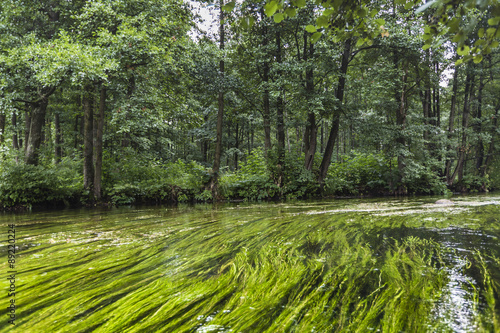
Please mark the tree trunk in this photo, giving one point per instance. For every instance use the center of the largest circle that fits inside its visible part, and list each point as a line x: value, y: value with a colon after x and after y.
x: 57, y: 140
x: 265, y: 98
x: 401, y: 124
x: 451, y: 124
x: 88, y: 165
x: 437, y: 104
x: 462, y: 151
x: 98, y: 145
x: 15, y: 140
x: 2, y: 127
x: 478, y: 127
x: 311, y: 132
x: 280, y: 121
x: 330, y: 144
x: 214, y: 183
x: 236, y: 145
x: 37, y: 120
x: 27, y: 126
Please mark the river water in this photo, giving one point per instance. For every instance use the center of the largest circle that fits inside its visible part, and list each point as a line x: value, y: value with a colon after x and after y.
x: 363, y: 265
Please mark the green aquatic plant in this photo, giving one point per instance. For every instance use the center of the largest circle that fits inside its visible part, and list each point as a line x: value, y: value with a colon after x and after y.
x: 347, y: 266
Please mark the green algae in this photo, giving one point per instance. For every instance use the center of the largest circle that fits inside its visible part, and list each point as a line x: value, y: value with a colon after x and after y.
x: 341, y: 266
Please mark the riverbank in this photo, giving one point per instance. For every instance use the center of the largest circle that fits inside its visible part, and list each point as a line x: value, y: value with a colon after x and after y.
x: 25, y: 187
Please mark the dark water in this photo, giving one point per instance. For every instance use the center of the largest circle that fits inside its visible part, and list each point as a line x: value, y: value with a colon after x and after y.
x: 322, y: 266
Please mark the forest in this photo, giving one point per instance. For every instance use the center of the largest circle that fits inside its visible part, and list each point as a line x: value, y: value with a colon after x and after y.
x: 139, y: 101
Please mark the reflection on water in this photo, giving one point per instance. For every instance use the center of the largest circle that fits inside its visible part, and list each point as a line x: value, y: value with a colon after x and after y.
x: 455, y: 309
x: 320, y: 266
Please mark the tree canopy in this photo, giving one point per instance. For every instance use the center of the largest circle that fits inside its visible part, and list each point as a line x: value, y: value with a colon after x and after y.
x: 128, y: 101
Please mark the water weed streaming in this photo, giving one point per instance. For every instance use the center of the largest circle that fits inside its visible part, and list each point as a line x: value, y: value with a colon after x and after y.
x: 343, y: 266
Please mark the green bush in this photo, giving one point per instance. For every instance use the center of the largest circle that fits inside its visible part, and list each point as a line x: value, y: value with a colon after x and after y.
x: 251, y: 182
x: 420, y: 179
x: 26, y: 185
x: 299, y: 182
x: 360, y: 173
x: 129, y: 180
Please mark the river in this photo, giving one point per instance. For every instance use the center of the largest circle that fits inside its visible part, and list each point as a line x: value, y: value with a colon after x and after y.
x: 381, y: 265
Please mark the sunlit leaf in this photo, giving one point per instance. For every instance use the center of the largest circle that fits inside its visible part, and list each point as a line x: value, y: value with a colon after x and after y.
x: 315, y: 37
x: 270, y: 8
x: 493, y: 20
x: 328, y: 12
x: 464, y: 50
x: 478, y: 58
x: 278, y: 17
x: 311, y: 28
x: 322, y: 21
x: 300, y: 3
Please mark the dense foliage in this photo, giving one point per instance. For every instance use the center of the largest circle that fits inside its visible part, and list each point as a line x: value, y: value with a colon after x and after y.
x: 132, y: 101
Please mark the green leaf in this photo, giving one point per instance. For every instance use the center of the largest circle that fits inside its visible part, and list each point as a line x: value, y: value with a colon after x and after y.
x: 315, y: 37
x: 291, y: 12
x: 328, y: 12
x: 271, y: 8
x: 458, y: 37
x: 459, y: 62
x: 478, y: 58
x: 380, y: 22
x: 228, y: 7
x: 322, y: 21
x: 311, y: 28
x: 278, y: 18
x: 453, y: 25
x: 361, y: 12
x: 490, y: 32
x: 360, y: 42
x: 493, y: 21
x: 494, y: 44
x: 300, y: 3
x: 480, y: 33
x: 426, y: 47
x: 464, y: 50
x: 337, y: 3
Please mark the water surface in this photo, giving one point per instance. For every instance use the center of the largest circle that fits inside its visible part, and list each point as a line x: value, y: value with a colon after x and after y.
x: 358, y: 265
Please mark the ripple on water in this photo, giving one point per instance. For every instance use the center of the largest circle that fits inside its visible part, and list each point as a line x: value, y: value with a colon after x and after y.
x: 455, y: 309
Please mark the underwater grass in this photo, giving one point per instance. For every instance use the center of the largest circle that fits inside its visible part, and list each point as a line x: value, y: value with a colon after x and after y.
x: 250, y: 269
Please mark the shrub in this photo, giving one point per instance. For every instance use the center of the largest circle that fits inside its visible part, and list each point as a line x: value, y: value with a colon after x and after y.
x: 22, y: 184
x: 360, y: 173
x: 251, y: 182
